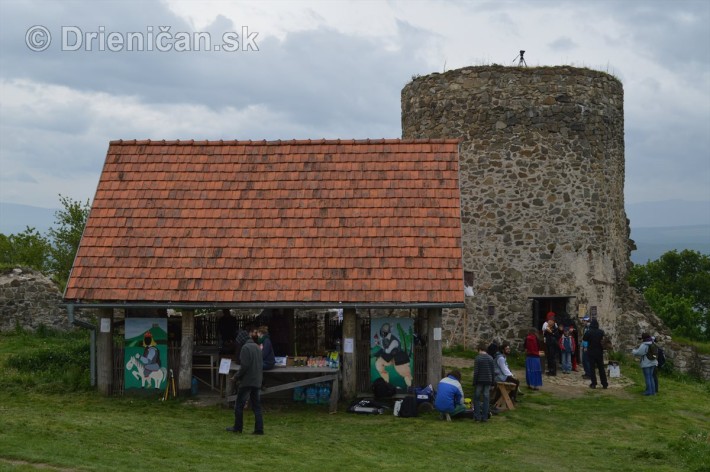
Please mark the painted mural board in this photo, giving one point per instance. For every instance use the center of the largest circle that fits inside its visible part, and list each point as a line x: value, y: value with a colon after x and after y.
x: 146, y: 353
x: 391, y: 351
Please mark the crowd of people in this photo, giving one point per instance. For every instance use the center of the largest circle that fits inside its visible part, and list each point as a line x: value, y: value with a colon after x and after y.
x: 560, y: 343
x: 561, y: 346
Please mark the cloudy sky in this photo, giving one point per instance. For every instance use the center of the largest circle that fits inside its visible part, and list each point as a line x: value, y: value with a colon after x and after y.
x: 317, y: 69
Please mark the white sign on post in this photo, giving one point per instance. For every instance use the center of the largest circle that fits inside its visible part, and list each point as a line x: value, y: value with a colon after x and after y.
x: 105, y: 325
x: 437, y: 334
x: 348, y: 346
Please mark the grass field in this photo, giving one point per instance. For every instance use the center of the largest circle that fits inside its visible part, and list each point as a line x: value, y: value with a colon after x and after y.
x: 580, y: 430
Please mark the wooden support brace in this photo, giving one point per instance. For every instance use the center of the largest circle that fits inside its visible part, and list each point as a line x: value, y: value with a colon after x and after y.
x: 504, y: 399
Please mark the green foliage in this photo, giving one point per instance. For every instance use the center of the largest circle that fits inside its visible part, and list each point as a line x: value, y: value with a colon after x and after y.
x: 47, y: 361
x: 53, y: 254
x: 66, y: 236
x: 26, y: 249
x: 677, y: 287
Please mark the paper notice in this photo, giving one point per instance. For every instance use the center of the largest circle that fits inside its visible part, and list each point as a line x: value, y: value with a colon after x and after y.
x: 105, y: 325
x: 348, y: 346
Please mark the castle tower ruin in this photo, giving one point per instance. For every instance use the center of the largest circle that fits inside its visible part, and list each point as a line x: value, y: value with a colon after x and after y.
x: 542, y: 192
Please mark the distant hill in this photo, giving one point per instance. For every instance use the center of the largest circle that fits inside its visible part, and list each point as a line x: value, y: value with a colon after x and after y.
x: 668, y: 213
x: 656, y: 227
x: 14, y: 218
x: 654, y: 242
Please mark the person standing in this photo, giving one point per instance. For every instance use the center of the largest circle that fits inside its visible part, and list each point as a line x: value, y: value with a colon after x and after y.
x: 567, y: 348
x: 267, y: 348
x: 550, y: 333
x: 449, y: 395
x: 533, y: 367
x: 585, y: 344
x: 483, y: 380
x: 595, y: 351
x: 648, y: 362
x: 250, y: 377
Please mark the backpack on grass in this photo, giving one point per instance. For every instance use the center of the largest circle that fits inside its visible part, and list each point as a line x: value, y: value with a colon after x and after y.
x: 406, y: 408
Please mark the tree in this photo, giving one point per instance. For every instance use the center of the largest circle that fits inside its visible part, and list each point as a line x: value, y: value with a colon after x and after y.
x: 677, y: 287
x: 27, y: 249
x: 65, y: 237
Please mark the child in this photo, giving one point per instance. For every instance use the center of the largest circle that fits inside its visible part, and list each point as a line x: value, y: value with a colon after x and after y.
x: 567, y: 348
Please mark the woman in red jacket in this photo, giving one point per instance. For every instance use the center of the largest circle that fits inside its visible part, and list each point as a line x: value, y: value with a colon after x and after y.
x: 533, y: 368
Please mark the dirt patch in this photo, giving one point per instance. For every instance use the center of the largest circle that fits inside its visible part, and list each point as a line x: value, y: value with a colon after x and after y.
x: 570, y: 385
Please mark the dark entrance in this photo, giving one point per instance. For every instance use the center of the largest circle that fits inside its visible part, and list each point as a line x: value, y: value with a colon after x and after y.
x: 543, y: 305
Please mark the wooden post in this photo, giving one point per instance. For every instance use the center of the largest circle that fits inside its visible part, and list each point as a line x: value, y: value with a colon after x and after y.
x: 104, y: 352
x: 186, y: 348
x: 433, y: 358
x: 349, y: 339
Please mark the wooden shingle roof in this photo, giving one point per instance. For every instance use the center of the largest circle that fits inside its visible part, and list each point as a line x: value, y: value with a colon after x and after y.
x: 241, y: 222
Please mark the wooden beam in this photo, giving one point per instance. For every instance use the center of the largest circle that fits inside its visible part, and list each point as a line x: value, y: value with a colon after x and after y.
x: 186, y: 349
x: 104, y: 352
x: 349, y: 339
x: 434, y: 372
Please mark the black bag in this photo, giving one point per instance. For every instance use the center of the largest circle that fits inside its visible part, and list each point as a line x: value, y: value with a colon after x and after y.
x: 661, y: 357
x: 409, y: 407
x: 382, y: 389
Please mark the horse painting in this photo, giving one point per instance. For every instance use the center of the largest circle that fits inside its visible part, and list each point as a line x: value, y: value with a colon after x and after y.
x: 139, y: 373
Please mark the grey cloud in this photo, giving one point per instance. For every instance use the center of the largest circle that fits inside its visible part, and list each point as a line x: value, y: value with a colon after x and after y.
x: 562, y: 44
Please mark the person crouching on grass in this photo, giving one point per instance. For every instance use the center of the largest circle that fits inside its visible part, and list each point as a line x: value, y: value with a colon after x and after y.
x: 449, y: 395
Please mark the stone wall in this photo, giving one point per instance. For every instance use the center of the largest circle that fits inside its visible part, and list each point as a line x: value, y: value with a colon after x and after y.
x: 29, y: 299
x: 542, y: 179
x: 542, y: 199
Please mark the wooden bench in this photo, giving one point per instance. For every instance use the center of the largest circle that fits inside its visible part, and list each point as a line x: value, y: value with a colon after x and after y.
x: 324, y: 374
x: 504, y: 400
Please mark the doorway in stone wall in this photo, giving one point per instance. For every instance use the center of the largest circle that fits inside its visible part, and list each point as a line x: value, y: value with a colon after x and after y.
x: 542, y: 305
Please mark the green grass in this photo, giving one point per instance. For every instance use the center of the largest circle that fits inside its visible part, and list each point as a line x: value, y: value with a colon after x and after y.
x: 702, y: 347
x: 598, y: 430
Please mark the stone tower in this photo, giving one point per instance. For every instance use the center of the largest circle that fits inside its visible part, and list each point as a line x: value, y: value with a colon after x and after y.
x: 542, y: 192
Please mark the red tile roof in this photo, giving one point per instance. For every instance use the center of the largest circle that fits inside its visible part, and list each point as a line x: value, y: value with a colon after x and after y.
x: 242, y: 222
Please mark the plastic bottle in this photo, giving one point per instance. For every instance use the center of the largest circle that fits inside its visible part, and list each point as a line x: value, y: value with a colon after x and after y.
x: 312, y: 395
x: 324, y: 394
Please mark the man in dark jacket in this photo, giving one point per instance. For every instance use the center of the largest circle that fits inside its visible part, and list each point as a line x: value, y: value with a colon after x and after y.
x: 483, y: 379
x: 595, y: 353
x: 250, y: 378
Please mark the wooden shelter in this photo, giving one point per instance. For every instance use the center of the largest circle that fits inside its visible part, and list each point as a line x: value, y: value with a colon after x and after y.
x: 355, y: 225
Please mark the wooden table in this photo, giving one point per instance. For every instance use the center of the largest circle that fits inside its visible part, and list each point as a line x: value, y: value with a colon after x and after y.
x: 323, y: 374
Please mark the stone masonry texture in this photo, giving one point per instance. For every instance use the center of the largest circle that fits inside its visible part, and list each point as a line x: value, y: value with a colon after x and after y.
x: 542, y: 182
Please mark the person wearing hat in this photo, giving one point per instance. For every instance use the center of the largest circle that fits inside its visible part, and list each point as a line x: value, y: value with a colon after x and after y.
x: 647, y: 365
x: 151, y: 356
